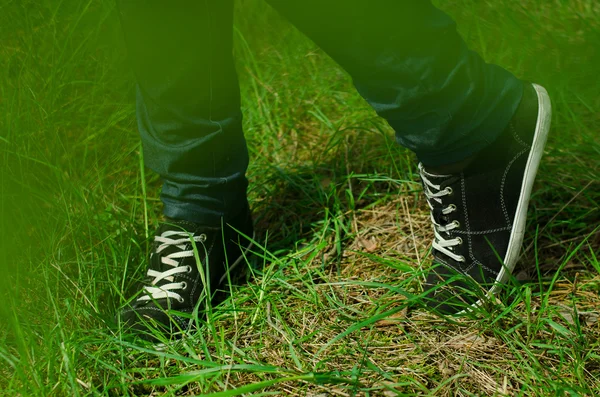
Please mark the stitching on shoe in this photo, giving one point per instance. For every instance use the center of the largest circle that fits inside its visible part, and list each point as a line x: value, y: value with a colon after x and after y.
x: 476, y: 262
x: 502, y: 229
x: 145, y: 308
x: 164, y: 311
x: 195, y: 282
x: 127, y: 311
x: 195, y: 285
x: 443, y: 262
x: 181, y: 322
x: 465, y: 272
x: 506, y: 170
x: 516, y: 136
x: 470, y: 267
x: 183, y: 222
x: 212, y: 245
x: 192, y: 225
x: 464, y: 200
x: 495, y: 273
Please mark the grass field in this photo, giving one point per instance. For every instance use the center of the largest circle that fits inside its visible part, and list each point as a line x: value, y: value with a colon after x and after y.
x: 344, y: 228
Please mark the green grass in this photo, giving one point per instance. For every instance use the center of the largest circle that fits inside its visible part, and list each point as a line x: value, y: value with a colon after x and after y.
x: 337, y: 205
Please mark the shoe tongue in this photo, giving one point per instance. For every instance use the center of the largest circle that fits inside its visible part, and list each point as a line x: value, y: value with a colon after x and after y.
x: 175, y: 226
x: 442, y: 179
x: 450, y: 169
x: 178, y: 226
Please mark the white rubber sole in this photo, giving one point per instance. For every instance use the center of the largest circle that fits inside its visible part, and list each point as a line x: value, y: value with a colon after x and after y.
x: 533, y: 161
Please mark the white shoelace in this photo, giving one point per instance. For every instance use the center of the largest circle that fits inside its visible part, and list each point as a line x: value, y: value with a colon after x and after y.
x: 171, y: 238
x: 434, y: 192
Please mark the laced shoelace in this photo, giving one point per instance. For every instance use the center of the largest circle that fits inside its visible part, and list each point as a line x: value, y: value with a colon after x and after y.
x: 434, y: 193
x: 171, y: 238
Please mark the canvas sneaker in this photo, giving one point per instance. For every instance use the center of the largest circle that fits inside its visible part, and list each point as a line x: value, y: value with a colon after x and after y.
x: 479, y: 213
x: 187, y: 265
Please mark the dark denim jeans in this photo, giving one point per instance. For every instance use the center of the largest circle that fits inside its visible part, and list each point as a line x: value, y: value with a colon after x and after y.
x: 405, y: 58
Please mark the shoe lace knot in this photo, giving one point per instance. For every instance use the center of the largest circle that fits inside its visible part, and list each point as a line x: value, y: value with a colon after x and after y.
x: 163, y: 283
x: 439, y: 211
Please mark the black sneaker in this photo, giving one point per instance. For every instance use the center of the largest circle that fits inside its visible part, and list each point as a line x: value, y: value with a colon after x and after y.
x: 479, y: 213
x: 176, y: 284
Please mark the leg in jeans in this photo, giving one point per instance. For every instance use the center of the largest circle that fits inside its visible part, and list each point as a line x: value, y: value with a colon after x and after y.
x: 408, y: 61
x: 189, y: 117
x: 188, y: 104
x: 478, y: 131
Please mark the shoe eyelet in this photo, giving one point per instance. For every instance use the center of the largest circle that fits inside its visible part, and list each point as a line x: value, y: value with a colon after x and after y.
x: 449, y: 190
x: 180, y: 300
x: 457, y: 224
x: 183, y: 285
x: 202, y: 238
x: 188, y: 269
x: 461, y: 258
x: 460, y: 240
x: 452, y: 207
